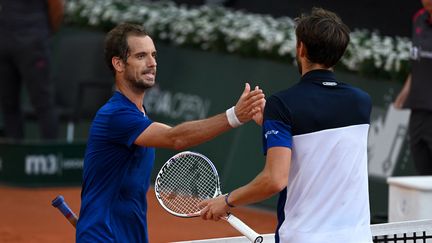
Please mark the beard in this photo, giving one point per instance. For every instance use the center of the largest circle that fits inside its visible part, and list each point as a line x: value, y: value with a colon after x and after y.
x: 139, y: 83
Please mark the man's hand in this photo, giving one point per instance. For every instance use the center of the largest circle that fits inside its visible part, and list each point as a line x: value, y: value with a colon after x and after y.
x: 214, y: 208
x: 249, y: 103
x: 259, y: 116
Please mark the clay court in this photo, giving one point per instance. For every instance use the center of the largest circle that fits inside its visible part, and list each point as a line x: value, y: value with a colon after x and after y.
x: 26, y: 215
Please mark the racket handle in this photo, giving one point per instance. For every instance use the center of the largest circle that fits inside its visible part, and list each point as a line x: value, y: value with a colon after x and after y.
x: 62, y: 206
x: 244, y: 229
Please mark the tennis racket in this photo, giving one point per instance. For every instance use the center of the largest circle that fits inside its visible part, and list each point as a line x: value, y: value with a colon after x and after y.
x: 185, y: 180
x: 62, y: 206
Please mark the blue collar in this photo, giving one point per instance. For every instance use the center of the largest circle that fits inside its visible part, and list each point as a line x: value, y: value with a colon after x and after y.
x: 319, y: 75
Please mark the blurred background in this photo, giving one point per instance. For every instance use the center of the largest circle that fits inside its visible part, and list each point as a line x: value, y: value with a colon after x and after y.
x: 367, y: 14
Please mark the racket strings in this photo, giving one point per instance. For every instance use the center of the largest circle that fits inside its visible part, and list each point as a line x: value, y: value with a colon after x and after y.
x: 187, y: 181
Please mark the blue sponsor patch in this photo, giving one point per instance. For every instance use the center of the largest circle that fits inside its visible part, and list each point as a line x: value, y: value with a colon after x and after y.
x: 276, y: 134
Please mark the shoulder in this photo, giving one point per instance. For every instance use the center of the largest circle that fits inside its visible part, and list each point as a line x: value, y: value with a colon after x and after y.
x: 278, y: 105
x: 287, y: 95
x: 360, y: 94
x: 280, y: 100
x: 359, y: 99
x: 357, y: 95
x: 119, y: 105
x: 119, y: 111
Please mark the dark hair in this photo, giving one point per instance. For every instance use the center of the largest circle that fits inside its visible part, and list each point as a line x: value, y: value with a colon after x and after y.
x: 324, y: 35
x: 116, y: 44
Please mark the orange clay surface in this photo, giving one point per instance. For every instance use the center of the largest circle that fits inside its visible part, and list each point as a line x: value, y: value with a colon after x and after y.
x: 26, y: 215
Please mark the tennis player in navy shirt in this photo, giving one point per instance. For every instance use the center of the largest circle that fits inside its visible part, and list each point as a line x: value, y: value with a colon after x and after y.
x: 315, y: 141
x: 120, y: 149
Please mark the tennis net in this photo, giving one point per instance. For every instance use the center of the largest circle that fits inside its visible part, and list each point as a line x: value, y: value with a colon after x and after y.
x: 419, y: 231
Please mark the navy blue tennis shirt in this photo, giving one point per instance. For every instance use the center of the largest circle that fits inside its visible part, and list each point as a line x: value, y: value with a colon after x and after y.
x: 316, y: 103
x: 116, y: 176
x: 325, y: 124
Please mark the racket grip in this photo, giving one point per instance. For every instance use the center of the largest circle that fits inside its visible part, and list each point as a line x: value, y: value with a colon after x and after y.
x: 62, y: 206
x: 244, y: 229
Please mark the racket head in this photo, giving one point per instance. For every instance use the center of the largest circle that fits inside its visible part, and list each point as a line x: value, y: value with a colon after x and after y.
x: 185, y: 180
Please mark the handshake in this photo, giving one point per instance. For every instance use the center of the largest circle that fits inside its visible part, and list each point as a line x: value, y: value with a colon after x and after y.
x: 249, y: 106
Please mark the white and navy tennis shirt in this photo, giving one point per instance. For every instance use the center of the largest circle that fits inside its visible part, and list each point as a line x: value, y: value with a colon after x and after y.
x: 325, y: 124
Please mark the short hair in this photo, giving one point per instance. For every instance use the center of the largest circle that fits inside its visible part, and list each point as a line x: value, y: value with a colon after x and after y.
x: 116, y: 44
x: 324, y: 35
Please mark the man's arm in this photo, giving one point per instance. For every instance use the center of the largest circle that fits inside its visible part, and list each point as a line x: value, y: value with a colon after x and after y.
x: 193, y: 133
x: 55, y: 13
x: 401, y: 98
x: 271, y: 180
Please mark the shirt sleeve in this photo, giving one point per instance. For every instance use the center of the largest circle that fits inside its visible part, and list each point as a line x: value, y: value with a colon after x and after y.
x: 276, y: 129
x: 127, y: 125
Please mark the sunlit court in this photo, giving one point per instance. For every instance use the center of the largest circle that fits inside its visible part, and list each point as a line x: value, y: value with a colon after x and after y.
x: 27, y: 216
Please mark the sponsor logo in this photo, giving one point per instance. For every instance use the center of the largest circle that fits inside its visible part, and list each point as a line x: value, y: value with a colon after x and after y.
x: 41, y: 164
x: 50, y: 164
x: 270, y: 133
x: 329, y: 83
x: 176, y: 105
x: 414, y: 53
x: 72, y: 164
x: 417, y: 53
x: 426, y: 54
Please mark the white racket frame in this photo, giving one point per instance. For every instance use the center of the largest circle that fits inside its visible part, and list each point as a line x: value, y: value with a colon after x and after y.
x: 231, y: 219
x: 167, y: 164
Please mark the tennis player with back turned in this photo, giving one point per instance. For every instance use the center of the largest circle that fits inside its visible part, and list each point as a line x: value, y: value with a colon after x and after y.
x: 315, y: 140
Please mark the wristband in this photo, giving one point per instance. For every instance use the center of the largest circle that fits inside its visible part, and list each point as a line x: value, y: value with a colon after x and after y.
x: 226, y: 200
x: 232, y: 118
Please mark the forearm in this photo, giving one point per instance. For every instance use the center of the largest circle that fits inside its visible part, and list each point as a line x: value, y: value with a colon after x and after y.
x: 271, y: 180
x: 192, y: 133
x: 56, y: 13
x: 403, y: 94
x: 260, y: 188
x: 184, y: 135
x: 407, y: 84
